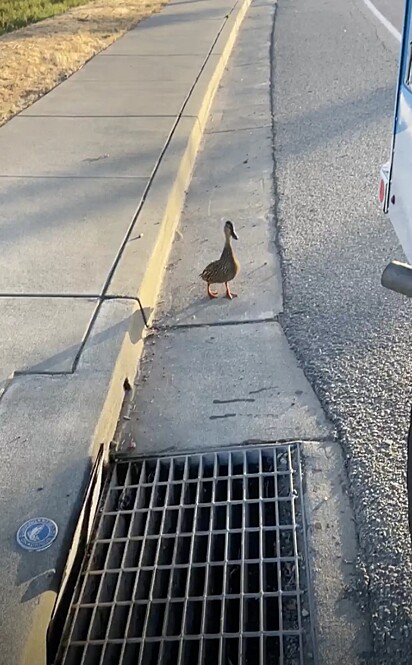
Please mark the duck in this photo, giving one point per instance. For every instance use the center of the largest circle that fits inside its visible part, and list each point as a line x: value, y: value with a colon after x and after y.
x: 225, y: 269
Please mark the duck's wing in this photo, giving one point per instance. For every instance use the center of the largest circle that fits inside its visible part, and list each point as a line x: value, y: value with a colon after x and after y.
x: 210, y: 270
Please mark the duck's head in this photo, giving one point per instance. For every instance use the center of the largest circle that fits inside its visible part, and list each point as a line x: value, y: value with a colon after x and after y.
x: 230, y: 231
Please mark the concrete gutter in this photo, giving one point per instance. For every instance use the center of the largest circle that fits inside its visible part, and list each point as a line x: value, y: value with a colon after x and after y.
x: 230, y: 363
x: 74, y: 414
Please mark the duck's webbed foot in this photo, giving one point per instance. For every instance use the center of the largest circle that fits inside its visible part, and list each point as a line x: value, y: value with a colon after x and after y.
x: 211, y: 294
x: 229, y: 293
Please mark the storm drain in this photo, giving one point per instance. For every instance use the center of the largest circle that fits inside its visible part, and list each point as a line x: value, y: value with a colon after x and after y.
x: 195, y: 560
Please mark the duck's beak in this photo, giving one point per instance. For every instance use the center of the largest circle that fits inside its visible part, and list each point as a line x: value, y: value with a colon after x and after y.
x: 234, y: 234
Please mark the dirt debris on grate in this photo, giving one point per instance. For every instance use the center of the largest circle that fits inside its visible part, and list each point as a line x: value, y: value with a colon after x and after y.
x: 195, y: 559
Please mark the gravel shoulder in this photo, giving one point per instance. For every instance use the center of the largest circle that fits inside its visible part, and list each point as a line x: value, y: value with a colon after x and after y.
x: 333, y: 105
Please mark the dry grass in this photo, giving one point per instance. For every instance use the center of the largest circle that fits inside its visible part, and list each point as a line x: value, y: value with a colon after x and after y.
x: 36, y: 58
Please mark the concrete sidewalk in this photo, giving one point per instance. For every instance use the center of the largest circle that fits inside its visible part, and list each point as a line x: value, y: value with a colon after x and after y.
x: 92, y: 180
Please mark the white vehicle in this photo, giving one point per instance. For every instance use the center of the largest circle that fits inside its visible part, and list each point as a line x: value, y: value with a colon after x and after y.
x: 395, y: 191
x: 396, y: 175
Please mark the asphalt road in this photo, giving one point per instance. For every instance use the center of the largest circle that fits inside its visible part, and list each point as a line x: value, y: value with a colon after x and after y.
x: 334, y: 74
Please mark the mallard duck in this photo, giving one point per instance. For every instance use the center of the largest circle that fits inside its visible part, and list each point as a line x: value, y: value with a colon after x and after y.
x: 224, y: 269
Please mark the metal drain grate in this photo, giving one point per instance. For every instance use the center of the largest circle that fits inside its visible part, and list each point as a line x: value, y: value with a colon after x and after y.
x: 194, y: 560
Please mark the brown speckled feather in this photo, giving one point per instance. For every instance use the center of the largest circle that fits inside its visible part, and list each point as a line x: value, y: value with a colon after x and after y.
x: 224, y: 269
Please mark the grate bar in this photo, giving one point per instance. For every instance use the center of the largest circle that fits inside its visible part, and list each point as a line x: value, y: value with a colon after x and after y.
x: 242, y: 564
x: 192, y: 551
x: 177, y: 638
x: 195, y: 559
x: 209, y: 544
x: 278, y: 552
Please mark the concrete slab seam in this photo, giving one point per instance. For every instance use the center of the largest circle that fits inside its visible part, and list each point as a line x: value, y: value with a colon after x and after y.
x: 166, y: 452
x: 215, y: 324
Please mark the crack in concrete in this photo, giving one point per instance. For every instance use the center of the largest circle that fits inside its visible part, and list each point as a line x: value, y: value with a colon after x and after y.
x: 233, y: 401
x: 261, y: 390
x: 222, y: 417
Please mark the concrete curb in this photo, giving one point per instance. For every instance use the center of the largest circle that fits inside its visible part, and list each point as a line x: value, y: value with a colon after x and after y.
x: 139, y: 273
x: 114, y: 343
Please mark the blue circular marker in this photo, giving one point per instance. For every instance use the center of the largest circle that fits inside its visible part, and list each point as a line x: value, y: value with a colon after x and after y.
x: 37, y: 534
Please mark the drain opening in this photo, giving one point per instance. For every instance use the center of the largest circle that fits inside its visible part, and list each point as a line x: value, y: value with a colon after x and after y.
x: 194, y: 559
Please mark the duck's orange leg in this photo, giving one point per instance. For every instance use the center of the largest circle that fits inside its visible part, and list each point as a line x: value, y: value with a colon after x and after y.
x: 211, y: 294
x: 229, y: 294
